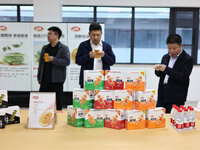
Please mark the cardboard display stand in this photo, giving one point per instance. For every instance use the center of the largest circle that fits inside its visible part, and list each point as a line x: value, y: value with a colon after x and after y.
x: 42, y: 108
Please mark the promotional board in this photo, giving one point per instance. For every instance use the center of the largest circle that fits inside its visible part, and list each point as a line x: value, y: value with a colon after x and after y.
x: 42, y: 108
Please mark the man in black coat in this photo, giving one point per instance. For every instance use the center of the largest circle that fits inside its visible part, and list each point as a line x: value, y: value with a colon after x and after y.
x: 174, y: 72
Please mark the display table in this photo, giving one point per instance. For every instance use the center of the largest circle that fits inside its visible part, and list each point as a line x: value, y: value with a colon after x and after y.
x: 66, y: 137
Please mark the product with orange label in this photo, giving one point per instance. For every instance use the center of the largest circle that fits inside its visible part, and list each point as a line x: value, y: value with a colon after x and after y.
x: 123, y: 99
x: 135, y: 119
x: 156, y: 118
x: 96, y: 53
x: 114, y: 119
x: 45, y: 57
x: 94, y: 118
x: 114, y: 80
x: 83, y: 99
x: 140, y: 100
x: 150, y: 98
x: 75, y: 116
x: 103, y: 99
x: 93, y: 79
x: 135, y: 80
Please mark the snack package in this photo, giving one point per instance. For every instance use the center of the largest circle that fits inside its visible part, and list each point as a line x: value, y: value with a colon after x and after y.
x: 140, y: 100
x: 2, y: 118
x: 135, y: 119
x: 123, y: 99
x: 83, y: 99
x: 114, y: 119
x: 135, y: 80
x: 75, y: 116
x: 94, y: 118
x: 13, y: 113
x: 3, y: 99
x: 103, y: 99
x: 156, y: 118
x: 93, y: 79
x: 150, y: 96
x: 114, y: 80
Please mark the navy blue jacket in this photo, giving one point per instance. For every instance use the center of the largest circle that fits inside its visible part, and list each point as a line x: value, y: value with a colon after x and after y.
x: 179, y: 77
x: 83, y: 59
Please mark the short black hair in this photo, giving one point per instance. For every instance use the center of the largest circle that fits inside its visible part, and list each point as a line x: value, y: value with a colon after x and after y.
x: 95, y: 26
x: 56, y: 30
x: 174, y: 38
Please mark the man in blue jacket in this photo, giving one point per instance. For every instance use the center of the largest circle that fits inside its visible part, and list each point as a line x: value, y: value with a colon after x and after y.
x: 94, y: 54
x: 174, y: 72
x: 52, y: 66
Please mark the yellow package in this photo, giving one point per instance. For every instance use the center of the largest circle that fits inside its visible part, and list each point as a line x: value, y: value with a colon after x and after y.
x: 135, y: 119
x: 150, y: 98
x: 123, y: 99
x: 156, y: 118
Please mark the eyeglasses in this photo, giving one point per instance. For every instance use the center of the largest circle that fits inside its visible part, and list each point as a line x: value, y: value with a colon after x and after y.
x: 98, y: 35
x: 49, y: 34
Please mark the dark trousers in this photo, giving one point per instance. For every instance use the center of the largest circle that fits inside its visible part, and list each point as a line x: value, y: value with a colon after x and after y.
x: 54, y: 87
x: 167, y: 105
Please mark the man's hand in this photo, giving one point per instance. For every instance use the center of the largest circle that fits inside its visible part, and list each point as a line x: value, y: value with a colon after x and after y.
x: 101, y: 53
x: 50, y: 58
x: 160, y: 67
x: 92, y: 54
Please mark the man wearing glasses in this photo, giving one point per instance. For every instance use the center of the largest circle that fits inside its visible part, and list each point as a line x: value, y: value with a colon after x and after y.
x: 52, y: 65
x: 94, y: 54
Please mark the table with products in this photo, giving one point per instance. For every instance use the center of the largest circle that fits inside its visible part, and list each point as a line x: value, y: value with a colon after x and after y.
x: 66, y: 137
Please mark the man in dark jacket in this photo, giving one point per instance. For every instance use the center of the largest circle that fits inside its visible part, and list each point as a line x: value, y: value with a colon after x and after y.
x: 52, y: 66
x: 94, y: 54
x: 174, y: 72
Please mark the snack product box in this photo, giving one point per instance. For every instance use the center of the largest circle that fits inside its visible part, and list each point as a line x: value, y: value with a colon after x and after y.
x: 135, y: 80
x: 114, y: 80
x: 123, y: 99
x: 13, y: 113
x: 114, y: 119
x: 83, y: 99
x: 75, y: 116
x: 93, y: 79
x: 3, y: 99
x: 103, y: 99
x: 140, y: 100
x: 135, y: 119
x: 150, y: 95
x: 156, y: 118
x: 94, y: 118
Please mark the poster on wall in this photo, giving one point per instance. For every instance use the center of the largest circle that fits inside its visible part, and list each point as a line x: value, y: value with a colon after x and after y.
x: 77, y: 33
x: 42, y: 108
x: 39, y: 33
x: 15, y: 72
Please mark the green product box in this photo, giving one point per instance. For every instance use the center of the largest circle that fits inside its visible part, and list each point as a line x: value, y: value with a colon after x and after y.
x: 93, y: 118
x: 75, y: 116
x: 93, y: 79
x: 83, y: 99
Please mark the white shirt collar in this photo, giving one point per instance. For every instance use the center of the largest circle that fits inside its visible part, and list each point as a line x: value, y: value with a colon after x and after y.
x: 99, y: 44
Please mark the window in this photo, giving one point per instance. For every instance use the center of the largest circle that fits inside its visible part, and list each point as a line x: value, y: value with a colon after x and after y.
x: 26, y: 13
x: 117, y: 22
x: 151, y: 31
x: 8, y: 13
x: 77, y: 14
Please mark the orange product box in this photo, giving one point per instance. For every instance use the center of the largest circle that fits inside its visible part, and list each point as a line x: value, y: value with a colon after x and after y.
x: 114, y: 80
x: 103, y: 99
x: 123, y: 99
x: 114, y: 119
x: 135, y: 80
x: 140, y: 100
x: 156, y: 118
x: 150, y: 95
x: 135, y: 119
